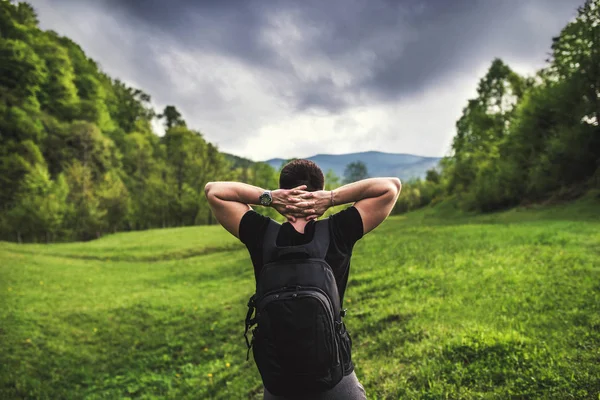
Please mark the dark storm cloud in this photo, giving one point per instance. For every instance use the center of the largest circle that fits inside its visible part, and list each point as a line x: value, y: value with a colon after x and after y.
x: 411, y: 44
x: 230, y: 26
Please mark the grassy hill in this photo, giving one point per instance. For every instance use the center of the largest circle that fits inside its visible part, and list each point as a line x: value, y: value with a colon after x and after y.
x: 440, y: 306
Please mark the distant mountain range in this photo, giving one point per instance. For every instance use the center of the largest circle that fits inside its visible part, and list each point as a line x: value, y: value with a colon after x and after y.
x: 404, y: 166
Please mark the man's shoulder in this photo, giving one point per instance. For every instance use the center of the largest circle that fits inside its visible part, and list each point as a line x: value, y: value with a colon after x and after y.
x: 349, y: 215
x: 251, y: 215
x: 251, y: 224
x: 348, y: 225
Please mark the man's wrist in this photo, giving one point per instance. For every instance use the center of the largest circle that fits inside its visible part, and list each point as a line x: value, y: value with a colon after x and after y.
x: 266, y: 198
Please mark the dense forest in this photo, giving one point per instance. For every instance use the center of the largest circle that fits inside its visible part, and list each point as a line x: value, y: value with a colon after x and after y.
x: 79, y: 158
x: 526, y: 139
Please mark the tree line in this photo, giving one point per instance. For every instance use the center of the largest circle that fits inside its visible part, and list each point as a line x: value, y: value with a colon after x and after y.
x: 526, y: 139
x: 79, y: 158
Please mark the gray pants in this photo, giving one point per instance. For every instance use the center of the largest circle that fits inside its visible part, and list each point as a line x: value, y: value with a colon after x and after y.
x: 349, y: 388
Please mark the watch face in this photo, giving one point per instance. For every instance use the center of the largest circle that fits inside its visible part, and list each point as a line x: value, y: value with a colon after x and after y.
x: 265, y: 199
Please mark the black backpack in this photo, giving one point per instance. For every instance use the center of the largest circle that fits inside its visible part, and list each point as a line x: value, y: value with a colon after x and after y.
x: 300, y: 343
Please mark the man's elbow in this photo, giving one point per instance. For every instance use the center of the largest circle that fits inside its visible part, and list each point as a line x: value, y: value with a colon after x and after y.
x: 209, y: 191
x: 207, y: 188
x: 396, y: 186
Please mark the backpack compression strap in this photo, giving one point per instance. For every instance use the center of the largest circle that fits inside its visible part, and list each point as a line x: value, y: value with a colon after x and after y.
x: 316, y: 248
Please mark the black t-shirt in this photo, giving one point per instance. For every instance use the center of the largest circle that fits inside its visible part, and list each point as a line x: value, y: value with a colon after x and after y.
x: 345, y: 229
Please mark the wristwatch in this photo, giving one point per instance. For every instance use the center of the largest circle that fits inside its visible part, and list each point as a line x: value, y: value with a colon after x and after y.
x: 265, y: 199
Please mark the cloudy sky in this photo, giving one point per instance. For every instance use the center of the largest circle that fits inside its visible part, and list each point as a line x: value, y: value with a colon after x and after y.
x: 280, y: 78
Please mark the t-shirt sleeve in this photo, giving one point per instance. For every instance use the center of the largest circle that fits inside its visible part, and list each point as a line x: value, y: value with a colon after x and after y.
x: 252, y: 226
x: 348, y: 226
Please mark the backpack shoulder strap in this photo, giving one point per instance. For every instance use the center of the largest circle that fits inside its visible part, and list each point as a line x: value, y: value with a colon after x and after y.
x: 320, y: 243
x: 269, y: 247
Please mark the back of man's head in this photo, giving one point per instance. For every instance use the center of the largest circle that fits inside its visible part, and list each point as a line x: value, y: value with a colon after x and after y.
x: 301, y: 172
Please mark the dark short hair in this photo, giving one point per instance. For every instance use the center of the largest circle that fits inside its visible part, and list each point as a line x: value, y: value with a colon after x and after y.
x: 301, y: 172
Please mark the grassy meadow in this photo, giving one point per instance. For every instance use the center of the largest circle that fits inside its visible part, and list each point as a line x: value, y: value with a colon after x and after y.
x: 441, y: 305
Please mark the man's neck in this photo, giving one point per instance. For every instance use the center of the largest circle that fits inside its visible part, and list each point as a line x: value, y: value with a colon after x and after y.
x: 299, y: 224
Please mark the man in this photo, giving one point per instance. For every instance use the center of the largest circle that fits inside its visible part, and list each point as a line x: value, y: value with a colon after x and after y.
x: 302, y: 200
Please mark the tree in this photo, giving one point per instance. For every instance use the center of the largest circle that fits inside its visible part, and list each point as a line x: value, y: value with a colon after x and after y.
x: 172, y: 117
x: 59, y: 94
x: 126, y: 105
x: 16, y: 161
x: 86, y: 217
x: 576, y: 55
x: 40, y: 206
x: 484, y: 124
x: 25, y: 14
x: 355, y: 171
x: 113, y: 199
x: 189, y: 160
x: 433, y: 176
x: 92, y: 149
x: 332, y: 181
x: 22, y: 72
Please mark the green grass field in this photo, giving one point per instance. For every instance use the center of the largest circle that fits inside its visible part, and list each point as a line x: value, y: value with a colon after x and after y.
x: 441, y: 306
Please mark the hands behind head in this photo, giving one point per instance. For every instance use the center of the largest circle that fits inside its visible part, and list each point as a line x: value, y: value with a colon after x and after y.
x: 298, y: 203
